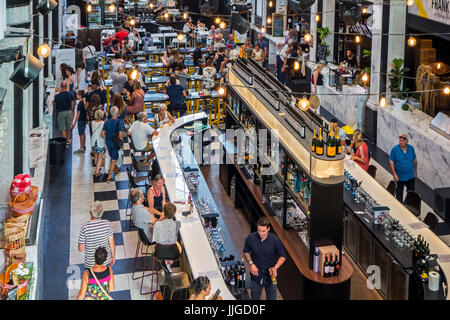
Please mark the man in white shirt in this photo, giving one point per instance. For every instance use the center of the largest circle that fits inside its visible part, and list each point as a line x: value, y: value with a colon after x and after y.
x: 139, y: 131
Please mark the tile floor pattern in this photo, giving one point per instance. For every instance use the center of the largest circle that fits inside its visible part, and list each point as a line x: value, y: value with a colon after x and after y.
x: 85, y: 190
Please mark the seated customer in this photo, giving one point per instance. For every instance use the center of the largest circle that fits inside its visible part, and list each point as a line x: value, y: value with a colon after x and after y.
x: 136, y: 104
x: 118, y: 81
x: 156, y: 196
x: 361, y: 156
x: 177, y: 96
x: 163, y: 116
x: 142, y: 217
x: 202, y: 288
x: 198, y: 56
x: 165, y: 233
x: 140, y: 131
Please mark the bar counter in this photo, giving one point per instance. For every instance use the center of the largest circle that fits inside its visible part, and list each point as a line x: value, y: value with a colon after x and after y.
x: 195, y: 243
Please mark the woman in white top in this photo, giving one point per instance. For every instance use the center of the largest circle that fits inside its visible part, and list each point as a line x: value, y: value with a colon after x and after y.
x: 258, y: 54
x: 117, y: 62
x: 90, y: 55
x: 209, y: 75
x: 188, y: 29
x: 166, y: 57
x: 163, y: 116
x: 97, y: 141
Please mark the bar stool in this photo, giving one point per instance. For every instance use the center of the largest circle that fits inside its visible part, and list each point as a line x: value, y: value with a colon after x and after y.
x: 209, y: 108
x: 176, y: 281
x: 431, y: 220
x: 143, y: 242
x: 413, y: 202
x: 392, y: 186
x: 372, y: 170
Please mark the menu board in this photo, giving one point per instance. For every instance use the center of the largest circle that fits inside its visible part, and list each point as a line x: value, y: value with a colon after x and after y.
x: 277, y: 24
x: 321, y: 53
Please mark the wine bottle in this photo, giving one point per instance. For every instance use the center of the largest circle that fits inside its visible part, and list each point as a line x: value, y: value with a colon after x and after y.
x: 319, y: 144
x: 337, y: 267
x: 326, y: 267
x: 331, y: 268
x: 338, y: 142
x: 313, y: 145
x: 232, y: 277
x: 331, y: 147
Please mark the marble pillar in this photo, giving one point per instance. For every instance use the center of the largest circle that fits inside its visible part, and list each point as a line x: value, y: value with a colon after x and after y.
x: 313, y: 31
x: 375, y: 65
x: 329, y: 6
x: 432, y: 149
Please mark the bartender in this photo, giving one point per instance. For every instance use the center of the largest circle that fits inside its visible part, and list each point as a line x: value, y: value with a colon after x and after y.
x: 351, y: 59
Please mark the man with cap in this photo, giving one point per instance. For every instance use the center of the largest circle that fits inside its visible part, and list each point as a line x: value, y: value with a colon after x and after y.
x: 403, y: 163
x: 140, y: 131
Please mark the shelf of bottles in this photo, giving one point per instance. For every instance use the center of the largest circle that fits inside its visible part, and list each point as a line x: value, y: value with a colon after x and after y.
x: 95, y: 16
x: 330, y: 267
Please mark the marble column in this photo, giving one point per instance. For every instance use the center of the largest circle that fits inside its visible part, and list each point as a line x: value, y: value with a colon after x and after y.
x: 50, y: 36
x: 313, y: 31
x: 328, y: 18
x: 41, y: 74
x: 375, y: 63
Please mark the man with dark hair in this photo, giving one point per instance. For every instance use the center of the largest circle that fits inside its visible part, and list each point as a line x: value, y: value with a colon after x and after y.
x: 342, y: 134
x: 96, y: 90
x: 177, y: 96
x: 198, y: 56
x: 265, y: 254
x: 142, y: 217
x: 65, y: 102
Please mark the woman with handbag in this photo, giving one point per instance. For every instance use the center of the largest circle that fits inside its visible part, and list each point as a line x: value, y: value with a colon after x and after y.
x: 113, y: 134
x: 98, y: 281
x: 91, y: 59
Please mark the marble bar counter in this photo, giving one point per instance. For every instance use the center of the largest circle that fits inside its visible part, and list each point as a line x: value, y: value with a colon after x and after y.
x: 432, y: 149
x: 198, y: 251
x: 346, y: 105
x: 411, y: 223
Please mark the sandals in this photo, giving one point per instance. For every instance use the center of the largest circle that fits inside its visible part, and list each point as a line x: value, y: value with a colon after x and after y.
x: 117, y: 171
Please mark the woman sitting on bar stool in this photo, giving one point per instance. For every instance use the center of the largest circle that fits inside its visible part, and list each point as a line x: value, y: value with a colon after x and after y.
x: 166, y: 59
x: 136, y: 104
x: 165, y: 233
x: 163, y: 116
x: 202, y: 288
x: 156, y: 196
x: 361, y: 156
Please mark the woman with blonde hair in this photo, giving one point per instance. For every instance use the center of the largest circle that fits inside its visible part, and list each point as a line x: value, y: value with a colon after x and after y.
x: 120, y: 104
x: 163, y: 116
x: 317, y: 77
x: 97, y: 141
x: 156, y: 196
x: 361, y: 156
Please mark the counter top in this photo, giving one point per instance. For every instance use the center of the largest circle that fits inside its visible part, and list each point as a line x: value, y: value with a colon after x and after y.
x: 399, y: 212
x: 197, y: 248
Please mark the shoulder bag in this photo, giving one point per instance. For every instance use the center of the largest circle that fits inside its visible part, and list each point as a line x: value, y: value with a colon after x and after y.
x: 116, y: 139
x: 101, y: 287
x: 95, y: 61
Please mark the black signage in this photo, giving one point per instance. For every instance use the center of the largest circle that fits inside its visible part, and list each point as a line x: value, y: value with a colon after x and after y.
x: 321, y: 53
x: 277, y: 25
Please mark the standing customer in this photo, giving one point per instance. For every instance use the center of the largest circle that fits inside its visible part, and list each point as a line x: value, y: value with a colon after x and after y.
x: 118, y: 81
x: 80, y: 60
x: 97, y: 141
x: 112, y: 127
x: 91, y: 58
x: 95, y: 277
x: 94, y: 234
x: 264, y: 47
x: 177, y: 96
x: 265, y: 254
x: 64, y: 102
x: 80, y: 120
x: 279, y: 63
x: 404, y: 166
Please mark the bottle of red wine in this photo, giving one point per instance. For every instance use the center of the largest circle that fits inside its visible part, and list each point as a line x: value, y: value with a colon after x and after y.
x: 326, y: 268
x: 337, y: 267
x: 331, y: 268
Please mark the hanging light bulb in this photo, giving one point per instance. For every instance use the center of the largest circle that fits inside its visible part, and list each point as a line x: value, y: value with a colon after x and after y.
x: 132, y: 22
x: 358, y: 39
x: 221, y: 91
x: 89, y: 8
x: 151, y: 5
x: 44, y: 50
x: 438, y: 65
x: 410, y: 3
x: 218, y: 20
x: 383, y: 102
x: 112, y: 8
x: 269, y: 20
x: 166, y: 15
x: 412, y: 41
x: 317, y: 17
x: 270, y: 4
x: 307, y: 37
x: 364, y: 10
x: 296, y: 66
x: 365, y: 78
x: 263, y: 29
x: 447, y: 90
x: 134, y: 74
x: 185, y: 15
x: 180, y: 37
x: 303, y: 104
x: 222, y: 25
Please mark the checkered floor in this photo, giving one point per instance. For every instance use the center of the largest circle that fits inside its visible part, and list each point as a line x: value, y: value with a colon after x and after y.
x: 85, y: 189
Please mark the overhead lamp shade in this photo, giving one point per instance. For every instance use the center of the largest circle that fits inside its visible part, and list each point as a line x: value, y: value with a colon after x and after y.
x: 206, y: 9
x: 351, y: 15
x: 46, y: 6
x: 238, y: 23
x: 305, y: 4
x: 26, y: 72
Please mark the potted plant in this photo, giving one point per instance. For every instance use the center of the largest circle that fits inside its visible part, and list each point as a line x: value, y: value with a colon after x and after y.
x: 323, y: 33
x: 396, y: 76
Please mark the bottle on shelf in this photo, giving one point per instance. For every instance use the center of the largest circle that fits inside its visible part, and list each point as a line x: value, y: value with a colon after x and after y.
x: 338, y: 142
x: 314, y: 140
x: 331, y: 145
x: 337, y: 267
x: 326, y: 267
x: 331, y: 267
x: 319, y: 144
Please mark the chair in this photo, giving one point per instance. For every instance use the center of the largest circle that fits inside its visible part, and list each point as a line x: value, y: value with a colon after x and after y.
x: 372, y: 170
x: 132, y: 183
x: 392, y: 186
x: 209, y: 108
x: 143, y: 242
x: 413, y: 202
x: 140, y: 167
x: 431, y: 220
x: 176, y: 281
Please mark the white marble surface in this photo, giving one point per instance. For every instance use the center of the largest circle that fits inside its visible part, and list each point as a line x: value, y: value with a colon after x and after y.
x: 432, y: 149
x: 399, y: 212
x: 197, y: 248
x: 343, y: 105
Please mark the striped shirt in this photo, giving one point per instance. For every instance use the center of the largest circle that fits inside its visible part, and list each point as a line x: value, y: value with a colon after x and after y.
x: 94, y: 234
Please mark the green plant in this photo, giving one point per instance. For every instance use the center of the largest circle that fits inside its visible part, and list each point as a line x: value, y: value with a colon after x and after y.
x: 323, y: 33
x: 396, y: 76
x: 405, y: 106
x: 366, y: 70
x: 328, y: 52
x: 367, y: 54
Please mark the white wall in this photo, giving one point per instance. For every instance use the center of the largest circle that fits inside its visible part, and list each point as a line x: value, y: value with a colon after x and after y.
x: 2, y: 18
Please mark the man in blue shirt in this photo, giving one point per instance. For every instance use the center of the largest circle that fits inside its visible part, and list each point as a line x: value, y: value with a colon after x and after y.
x: 177, y: 96
x: 65, y: 103
x: 264, y: 47
x: 265, y: 254
x: 404, y: 166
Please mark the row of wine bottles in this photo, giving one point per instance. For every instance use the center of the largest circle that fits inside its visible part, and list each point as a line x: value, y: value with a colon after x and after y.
x: 234, y: 275
x: 330, y: 265
x: 420, y: 248
x: 333, y: 144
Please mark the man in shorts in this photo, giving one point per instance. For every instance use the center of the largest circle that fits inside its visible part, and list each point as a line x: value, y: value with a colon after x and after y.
x: 139, y: 131
x: 64, y: 103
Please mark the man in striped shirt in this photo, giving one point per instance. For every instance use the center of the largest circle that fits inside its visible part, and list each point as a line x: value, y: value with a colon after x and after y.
x: 96, y: 233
